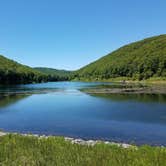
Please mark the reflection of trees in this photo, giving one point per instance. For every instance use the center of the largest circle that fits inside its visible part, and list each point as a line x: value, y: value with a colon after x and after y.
x: 135, y: 97
x: 6, y: 100
x: 137, y: 107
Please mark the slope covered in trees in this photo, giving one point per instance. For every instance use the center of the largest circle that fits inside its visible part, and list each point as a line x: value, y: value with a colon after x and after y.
x: 139, y: 60
x: 12, y: 72
x: 54, y: 74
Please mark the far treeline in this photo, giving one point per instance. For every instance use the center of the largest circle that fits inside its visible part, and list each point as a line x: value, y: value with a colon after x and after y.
x: 141, y: 60
x: 55, y: 75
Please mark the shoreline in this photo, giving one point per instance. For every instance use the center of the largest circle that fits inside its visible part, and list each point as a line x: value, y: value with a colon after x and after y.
x: 122, y: 80
x: 80, y: 141
x: 127, y: 90
x: 70, y: 139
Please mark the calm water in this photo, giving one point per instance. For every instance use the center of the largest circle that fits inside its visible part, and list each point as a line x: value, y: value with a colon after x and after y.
x: 62, y: 109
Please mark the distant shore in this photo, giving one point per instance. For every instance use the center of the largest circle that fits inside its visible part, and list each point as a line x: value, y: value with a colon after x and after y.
x: 127, y: 89
x: 152, y: 81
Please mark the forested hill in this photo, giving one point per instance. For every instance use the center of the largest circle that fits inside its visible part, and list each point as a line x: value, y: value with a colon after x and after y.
x: 12, y: 72
x: 139, y: 60
x: 55, y: 74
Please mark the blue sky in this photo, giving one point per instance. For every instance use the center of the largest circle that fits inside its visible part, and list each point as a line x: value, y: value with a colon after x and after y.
x: 68, y: 34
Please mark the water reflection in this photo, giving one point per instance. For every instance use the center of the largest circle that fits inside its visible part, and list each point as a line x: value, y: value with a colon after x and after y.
x: 64, y: 110
x: 150, y: 98
x: 9, y: 99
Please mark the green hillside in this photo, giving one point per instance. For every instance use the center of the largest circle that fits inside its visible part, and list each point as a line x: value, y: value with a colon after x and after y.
x: 55, y: 74
x: 139, y: 60
x: 12, y: 72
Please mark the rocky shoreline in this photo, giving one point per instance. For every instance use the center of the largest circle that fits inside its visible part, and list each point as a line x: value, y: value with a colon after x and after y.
x: 75, y: 141
x: 2, y: 133
x: 94, y: 142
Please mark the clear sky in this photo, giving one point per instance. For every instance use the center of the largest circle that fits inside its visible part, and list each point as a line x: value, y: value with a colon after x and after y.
x: 68, y: 34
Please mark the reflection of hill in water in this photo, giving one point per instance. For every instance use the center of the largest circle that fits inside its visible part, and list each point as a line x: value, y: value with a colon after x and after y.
x: 6, y: 100
x: 141, y: 108
x: 161, y: 98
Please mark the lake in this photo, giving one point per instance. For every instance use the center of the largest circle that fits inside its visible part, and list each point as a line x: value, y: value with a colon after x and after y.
x: 61, y: 108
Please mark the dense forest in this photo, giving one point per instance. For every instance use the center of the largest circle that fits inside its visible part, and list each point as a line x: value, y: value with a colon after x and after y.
x: 12, y: 72
x: 139, y: 60
x: 54, y: 74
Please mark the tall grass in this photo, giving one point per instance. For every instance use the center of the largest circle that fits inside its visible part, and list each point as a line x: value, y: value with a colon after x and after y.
x: 17, y: 150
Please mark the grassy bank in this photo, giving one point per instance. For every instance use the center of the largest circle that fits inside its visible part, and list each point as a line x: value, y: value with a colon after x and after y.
x: 152, y: 80
x: 23, y: 150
